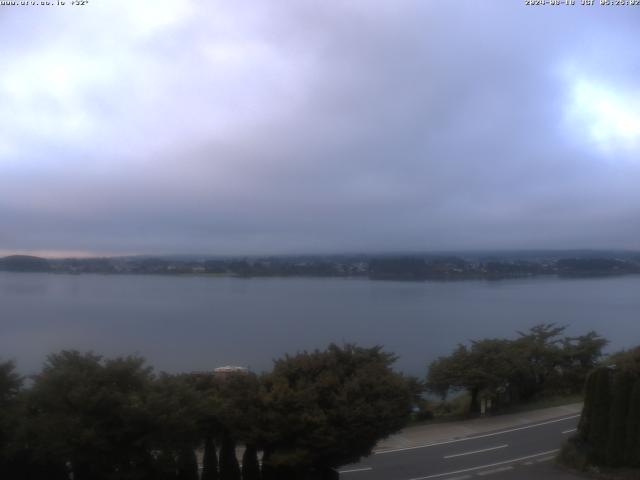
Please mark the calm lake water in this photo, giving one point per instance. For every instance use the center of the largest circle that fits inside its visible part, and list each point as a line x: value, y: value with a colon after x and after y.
x: 198, y: 323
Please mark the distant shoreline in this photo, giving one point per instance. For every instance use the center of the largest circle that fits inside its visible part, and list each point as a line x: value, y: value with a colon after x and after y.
x: 380, y: 268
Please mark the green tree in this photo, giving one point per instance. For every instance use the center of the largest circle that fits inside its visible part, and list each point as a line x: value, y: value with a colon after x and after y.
x: 632, y: 448
x: 10, y: 385
x: 209, y: 460
x: 240, y: 410
x: 92, y: 414
x: 178, y: 410
x: 229, y: 467
x: 538, y: 362
x: 597, y: 433
x: 580, y: 354
x: 250, y: 465
x: 609, y: 429
x: 328, y: 408
x: 539, y: 355
x: 622, y: 385
x: 485, y: 368
x: 187, y: 464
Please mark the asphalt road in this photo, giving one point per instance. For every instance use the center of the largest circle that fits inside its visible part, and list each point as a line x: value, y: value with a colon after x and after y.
x: 521, y: 452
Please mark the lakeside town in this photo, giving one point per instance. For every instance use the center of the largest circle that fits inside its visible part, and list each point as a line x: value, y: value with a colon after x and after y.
x: 377, y: 267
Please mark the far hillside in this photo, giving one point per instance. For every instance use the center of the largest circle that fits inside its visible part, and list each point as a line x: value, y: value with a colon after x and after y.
x: 24, y: 263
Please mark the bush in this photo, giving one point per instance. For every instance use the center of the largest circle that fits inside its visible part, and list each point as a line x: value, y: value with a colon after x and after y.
x: 609, y: 429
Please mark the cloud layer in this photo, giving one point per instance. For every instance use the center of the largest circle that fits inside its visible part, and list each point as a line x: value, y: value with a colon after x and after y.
x: 217, y: 127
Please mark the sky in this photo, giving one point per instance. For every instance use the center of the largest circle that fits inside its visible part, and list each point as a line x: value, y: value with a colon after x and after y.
x: 217, y: 127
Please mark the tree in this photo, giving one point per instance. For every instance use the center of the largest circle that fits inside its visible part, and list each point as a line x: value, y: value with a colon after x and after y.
x: 178, y: 410
x: 92, y: 414
x: 187, y: 464
x: 538, y: 362
x: 328, y: 408
x: 539, y: 355
x: 599, y: 415
x: 632, y: 449
x: 240, y: 409
x: 10, y: 384
x: 485, y: 368
x: 609, y: 429
x: 250, y: 465
x: 580, y: 355
x: 621, y: 388
x: 209, y: 460
x: 229, y: 467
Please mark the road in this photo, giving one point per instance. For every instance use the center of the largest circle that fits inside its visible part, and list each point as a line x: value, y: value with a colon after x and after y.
x: 521, y: 452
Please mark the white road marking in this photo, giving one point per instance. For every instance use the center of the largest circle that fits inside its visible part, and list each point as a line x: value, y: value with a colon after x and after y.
x: 364, y: 469
x: 513, y: 460
x: 495, y: 470
x: 476, y: 451
x: 477, y: 436
x: 569, y: 431
x: 463, y: 477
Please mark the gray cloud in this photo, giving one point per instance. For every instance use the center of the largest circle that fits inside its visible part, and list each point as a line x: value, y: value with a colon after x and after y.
x: 308, y: 127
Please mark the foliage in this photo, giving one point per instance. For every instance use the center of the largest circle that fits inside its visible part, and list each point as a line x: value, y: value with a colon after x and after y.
x: 10, y: 384
x: 229, y: 467
x: 538, y: 362
x: 187, y: 464
x: 100, y: 405
x: 619, y: 410
x: 329, y: 408
x: 632, y: 448
x: 609, y: 429
x: 250, y: 464
x: 114, y: 419
x: 209, y: 460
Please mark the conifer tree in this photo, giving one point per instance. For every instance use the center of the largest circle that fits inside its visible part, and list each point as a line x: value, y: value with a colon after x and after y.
x: 621, y: 387
x: 210, y: 460
x: 229, y: 467
x: 187, y: 465
x: 632, y: 448
x: 250, y: 465
x: 166, y: 466
x: 599, y: 418
x: 584, y: 426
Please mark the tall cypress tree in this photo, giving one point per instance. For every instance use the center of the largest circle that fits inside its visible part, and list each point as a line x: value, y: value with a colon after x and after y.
x: 229, y: 467
x: 599, y: 418
x: 166, y: 466
x: 187, y: 464
x: 210, y: 460
x: 250, y: 465
x: 632, y: 448
x: 267, y: 470
x: 584, y: 426
x: 621, y: 387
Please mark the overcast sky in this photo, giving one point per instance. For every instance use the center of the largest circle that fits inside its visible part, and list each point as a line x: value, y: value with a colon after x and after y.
x: 179, y: 126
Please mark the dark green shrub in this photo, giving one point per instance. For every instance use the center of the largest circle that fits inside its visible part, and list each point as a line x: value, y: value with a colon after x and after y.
x: 622, y: 385
x: 250, y: 465
x: 632, y: 450
x: 209, y: 461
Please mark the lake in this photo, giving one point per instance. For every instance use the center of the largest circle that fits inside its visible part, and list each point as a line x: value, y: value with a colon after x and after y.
x: 199, y: 323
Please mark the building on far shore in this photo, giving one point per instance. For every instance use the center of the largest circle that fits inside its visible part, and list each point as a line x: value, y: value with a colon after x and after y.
x: 227, y: 370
